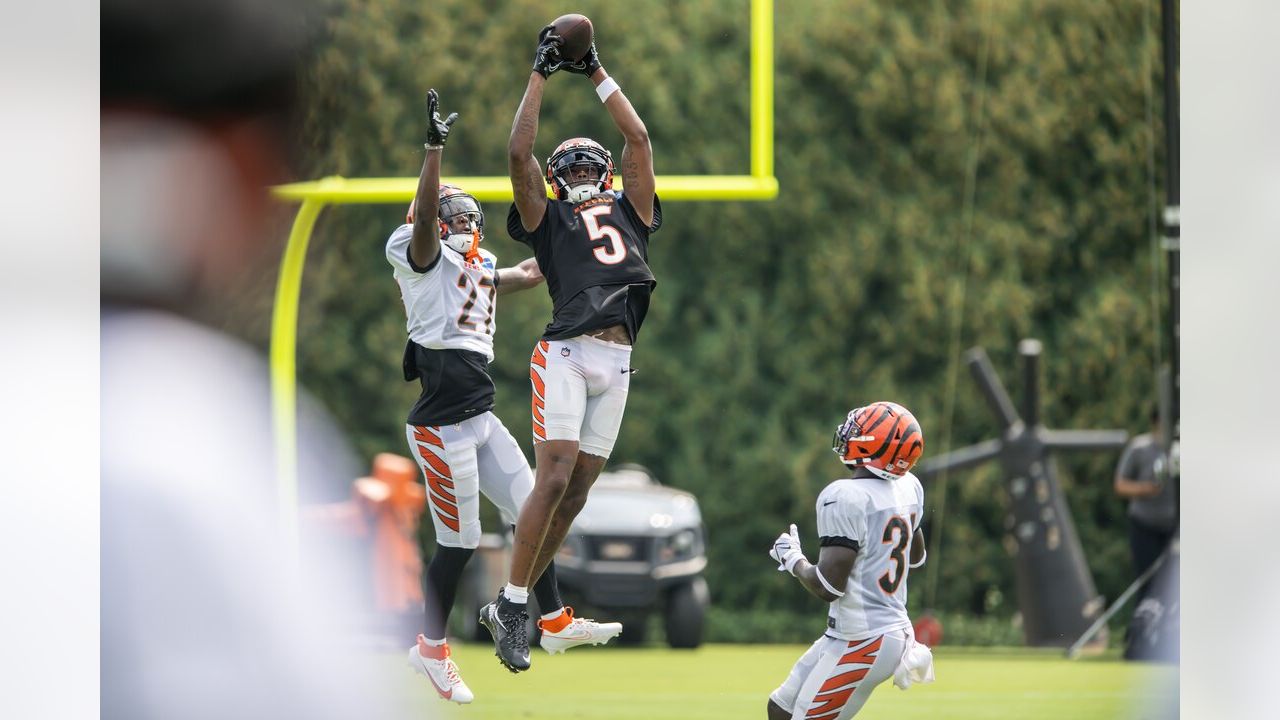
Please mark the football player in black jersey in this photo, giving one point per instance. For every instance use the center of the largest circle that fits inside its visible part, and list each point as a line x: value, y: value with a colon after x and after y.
x: 449, y: 285
x: 591, y: 243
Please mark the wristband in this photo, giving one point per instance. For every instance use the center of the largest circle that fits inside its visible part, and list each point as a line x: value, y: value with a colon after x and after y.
x: 826, y: 584
x: 922, y: 559
x: 606, y: 88
x: 429, y: 146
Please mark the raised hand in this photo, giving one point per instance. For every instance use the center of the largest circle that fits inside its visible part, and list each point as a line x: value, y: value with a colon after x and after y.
x: 588, y: 65
x: 437, y: 129
x: 786, y: 550
x: 547, y: 58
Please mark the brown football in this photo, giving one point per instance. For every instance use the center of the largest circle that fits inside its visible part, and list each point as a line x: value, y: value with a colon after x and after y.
x: 577, y: 32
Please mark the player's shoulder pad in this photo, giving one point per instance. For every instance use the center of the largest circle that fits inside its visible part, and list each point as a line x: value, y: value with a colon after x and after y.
x: 401, y: 235
x: 619, y: 195
x: 846, y: 493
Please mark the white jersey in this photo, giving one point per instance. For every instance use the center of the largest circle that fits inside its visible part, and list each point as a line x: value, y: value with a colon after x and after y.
x: 450, y: 304
x: 877, y: 518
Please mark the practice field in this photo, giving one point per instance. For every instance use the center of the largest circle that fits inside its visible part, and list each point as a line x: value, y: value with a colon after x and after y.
x: 733, y: 681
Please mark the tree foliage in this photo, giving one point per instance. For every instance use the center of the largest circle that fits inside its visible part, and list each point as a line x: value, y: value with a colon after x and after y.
x: 953, y: 174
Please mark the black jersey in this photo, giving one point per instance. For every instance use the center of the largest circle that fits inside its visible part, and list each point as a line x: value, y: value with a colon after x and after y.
x: 594, y: 256
x: 455, y: 384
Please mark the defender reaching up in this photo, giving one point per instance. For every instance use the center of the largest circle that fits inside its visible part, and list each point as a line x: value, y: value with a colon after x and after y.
x: 592, y: 244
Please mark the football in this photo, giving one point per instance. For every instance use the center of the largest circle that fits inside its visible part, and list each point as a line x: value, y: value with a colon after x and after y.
x: 577, y: 33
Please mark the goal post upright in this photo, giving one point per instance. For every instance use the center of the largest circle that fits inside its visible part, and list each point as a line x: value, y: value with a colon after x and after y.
x: 315, y: 195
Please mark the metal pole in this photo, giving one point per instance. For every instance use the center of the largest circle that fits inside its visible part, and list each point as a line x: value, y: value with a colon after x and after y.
x: 284, y: 381
x: 1030, y: 350
x: 1172, y: 224
x: 1074, y: 651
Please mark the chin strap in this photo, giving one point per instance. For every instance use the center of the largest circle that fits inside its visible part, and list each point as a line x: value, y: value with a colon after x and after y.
x: 473, y: 252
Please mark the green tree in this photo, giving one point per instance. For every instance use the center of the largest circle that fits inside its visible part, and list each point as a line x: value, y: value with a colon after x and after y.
x: 953, y: 174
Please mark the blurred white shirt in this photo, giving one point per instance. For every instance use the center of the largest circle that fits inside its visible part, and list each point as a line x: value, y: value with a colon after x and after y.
x: 201, y: 617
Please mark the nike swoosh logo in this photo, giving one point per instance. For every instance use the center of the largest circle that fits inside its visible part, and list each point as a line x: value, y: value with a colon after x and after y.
x: 829, y: 502
x: 446, y: 694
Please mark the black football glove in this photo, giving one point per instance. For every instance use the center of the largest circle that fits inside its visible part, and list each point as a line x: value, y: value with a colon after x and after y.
x: 588, y: 65
x: 437, y: 129
x: 547, y: 59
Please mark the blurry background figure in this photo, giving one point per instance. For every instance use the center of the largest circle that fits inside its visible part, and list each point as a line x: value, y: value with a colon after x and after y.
x: 1148, y: 477
x: 1143, y: 476
x: 202, y: 615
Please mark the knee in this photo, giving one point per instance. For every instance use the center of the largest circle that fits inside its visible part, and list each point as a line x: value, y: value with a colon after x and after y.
x: 575, y: 498
x: 553, y: 484
x: 449, y: 561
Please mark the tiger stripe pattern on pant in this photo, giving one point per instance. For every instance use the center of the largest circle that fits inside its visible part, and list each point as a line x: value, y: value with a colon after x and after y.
x: 440, y: 488
x: 848, y: 673
x: 537, y: 369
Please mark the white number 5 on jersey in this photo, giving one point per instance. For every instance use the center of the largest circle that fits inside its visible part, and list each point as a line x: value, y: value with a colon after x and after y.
x: 615, y: 251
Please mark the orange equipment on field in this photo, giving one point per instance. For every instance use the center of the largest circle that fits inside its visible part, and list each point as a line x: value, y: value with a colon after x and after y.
x: 392, y: 501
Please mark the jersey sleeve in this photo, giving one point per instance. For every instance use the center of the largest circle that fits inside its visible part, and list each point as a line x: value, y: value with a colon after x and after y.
x: 398, y: 253
x: 1129, y: 467
x: 634, y: 216
x: 842, y: 517
x: 515, y: 228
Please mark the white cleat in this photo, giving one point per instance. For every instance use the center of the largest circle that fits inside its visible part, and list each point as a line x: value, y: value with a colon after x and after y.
x: 580, y: 631
x: 441, y: 671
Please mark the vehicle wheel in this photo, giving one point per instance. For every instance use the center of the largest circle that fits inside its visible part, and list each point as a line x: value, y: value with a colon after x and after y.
x: 635, y: 627
x: 686, y: 613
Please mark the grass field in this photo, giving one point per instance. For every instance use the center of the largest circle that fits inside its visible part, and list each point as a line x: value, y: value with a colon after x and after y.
x: 733, y: 681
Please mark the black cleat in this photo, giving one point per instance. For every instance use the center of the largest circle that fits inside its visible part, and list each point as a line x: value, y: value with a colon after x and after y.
x: 507, y: 622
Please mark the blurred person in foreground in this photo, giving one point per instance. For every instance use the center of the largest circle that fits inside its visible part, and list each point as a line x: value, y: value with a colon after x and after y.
x: 450, y: 287
x: 1143, y: 477
x: 203, y: 612
x: 869, y: 532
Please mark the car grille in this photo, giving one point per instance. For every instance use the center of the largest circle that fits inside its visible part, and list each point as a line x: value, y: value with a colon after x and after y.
x: 620, y: 548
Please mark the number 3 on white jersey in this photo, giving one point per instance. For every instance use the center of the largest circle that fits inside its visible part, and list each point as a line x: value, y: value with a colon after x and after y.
x: 613, y: 253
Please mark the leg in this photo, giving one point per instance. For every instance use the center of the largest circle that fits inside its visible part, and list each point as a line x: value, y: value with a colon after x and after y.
x: 559, y: 404
x: 585, y: 471
x: 846, y: 674
x: 505, y: 478
x: 601, y: 421
x: 555, y: 464
x: 1145, y: 546
x: 559, y: 395
x: 447, y: 457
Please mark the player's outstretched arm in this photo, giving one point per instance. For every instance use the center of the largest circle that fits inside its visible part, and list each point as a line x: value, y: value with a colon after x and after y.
x: 637, y: 153
x: 527, y: 185
x: 425, y: 246
x: 521, y: 277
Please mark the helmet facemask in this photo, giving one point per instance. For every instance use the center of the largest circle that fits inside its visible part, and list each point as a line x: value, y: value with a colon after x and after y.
x: 461, y: 223
x: 565, y: 171
x: 578, y: 188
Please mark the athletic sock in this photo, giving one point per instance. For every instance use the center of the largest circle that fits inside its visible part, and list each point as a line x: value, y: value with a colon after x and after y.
x: 517, y: 595
x: 556, y: 621
x: 435, y: 649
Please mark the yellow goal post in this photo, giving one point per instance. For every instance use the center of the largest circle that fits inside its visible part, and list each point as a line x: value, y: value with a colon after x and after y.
x: 315, y: 195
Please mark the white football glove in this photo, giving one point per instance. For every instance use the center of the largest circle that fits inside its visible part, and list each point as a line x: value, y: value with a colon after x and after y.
x: 786, y: 550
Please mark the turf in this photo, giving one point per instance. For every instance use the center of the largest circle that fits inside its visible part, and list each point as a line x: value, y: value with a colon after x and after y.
x: 733, y: 681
